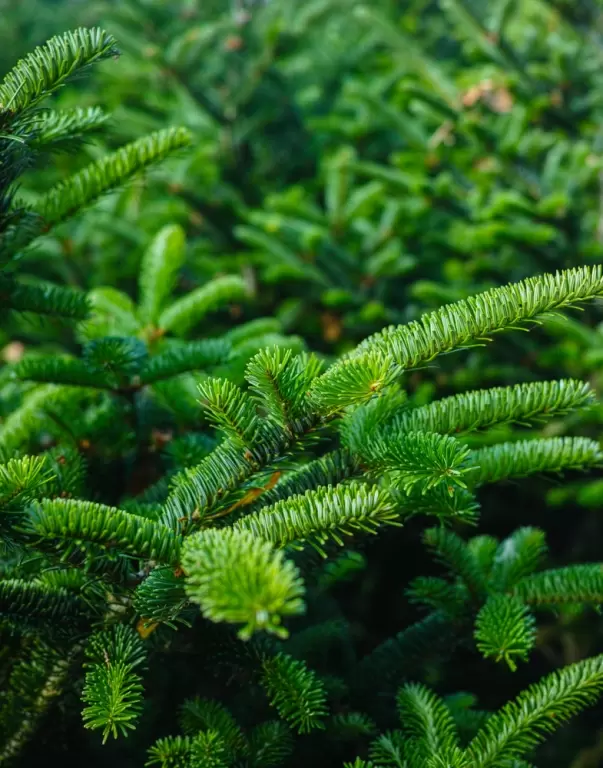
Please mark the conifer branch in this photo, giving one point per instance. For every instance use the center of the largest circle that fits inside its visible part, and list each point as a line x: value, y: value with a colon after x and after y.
x: 521, y: 404
x: 35, y: 413
x: 454, y: 554
x: 318, y: 516
x: 572, y: 584
x: 159, y: 270
x: 295, y: 691
x: 184, y: 313
x: 271, y: 744
x: 57, y: 370
x: 472, y: 321
x: 49, y: 66
x: 36, y: 680
x: 112, y: 688
x: 240, y: 579
x: 422, y: 460
x: 21, y: 480
x: 195, y: 490
x: 505, y: 630
x: 426, y: 720
x: 193, y: 356
x: 110, y: 171
x: 27, y: 604
x: 330, y: 469
x: 200, y: 714
x: 517, y: 557
x: 280, y: 382
x: 170, y: 751
x: 87, y: 530
x: 529, y: 457
x: 112, y: 313
x: 65, y: 130
x: 230, y: 410
x: 161, y: 597
x: 43, y: 299
x: 523, y: 723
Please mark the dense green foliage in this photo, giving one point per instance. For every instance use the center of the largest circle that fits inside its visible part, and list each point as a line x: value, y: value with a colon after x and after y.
x: 252, y: 511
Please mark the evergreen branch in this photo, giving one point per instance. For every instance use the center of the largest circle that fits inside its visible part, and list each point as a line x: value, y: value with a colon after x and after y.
x: 21, y: 479
x: 34, y: 413
x: 353, y: 381
x: 193, y: 356
x: 119, y: 643
x: 389, y: 749
x: 318, y: 516
x: 230, y: 410
x: 112, y: 314
x: 116, y: 359
x: 67, y: 469
x: 505, y: 630
x: 160, y: 597
x: 181, y: 316
x: 204, y: 750
x: 65, y: 130
x: 360, y: 425
x: 443, y: 501
x: 35, y: 681
x: 239, y: 579
x: 523, y: 723
x: 467, y: 719
x: 270, y: 744
x: 112, y: 689
x: 280, y: 381
x: 518, y: 556
x: 74, y: 526
x: 113, y: 695
x: 520, y: 404
x: 351, y: 725
x: 43, y: 299
x: 28, y: 604
x: 205, y: 715
x: 330, y: 469
x: 295, y: 691
x: 530, y: 457
x: 170, y: 752
x: 159, y: 270
x: 110, y: 171
x: 572, y: 584
x: 207, y: 751
x: 62, y: 370
x: 484, y: 549
x: 426, y: 720
x: 465, y: 323
x: 423, y: 460
x: 436, y: 594
x: 454, y: 554
x: 195, y: 490
x: 49, y: 66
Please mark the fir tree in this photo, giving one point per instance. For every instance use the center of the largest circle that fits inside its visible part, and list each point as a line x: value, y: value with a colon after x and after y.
x: 170, y: 492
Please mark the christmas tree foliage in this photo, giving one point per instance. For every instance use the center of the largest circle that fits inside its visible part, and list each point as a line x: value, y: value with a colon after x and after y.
x: 224, y: 544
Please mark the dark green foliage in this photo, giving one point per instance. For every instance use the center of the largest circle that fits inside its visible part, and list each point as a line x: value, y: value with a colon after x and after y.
x: 229, y: 411
x: 112, y: 688
x: 295, y: 692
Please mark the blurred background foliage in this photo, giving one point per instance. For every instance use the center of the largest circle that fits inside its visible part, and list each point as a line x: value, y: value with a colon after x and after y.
x: 357, y: 163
